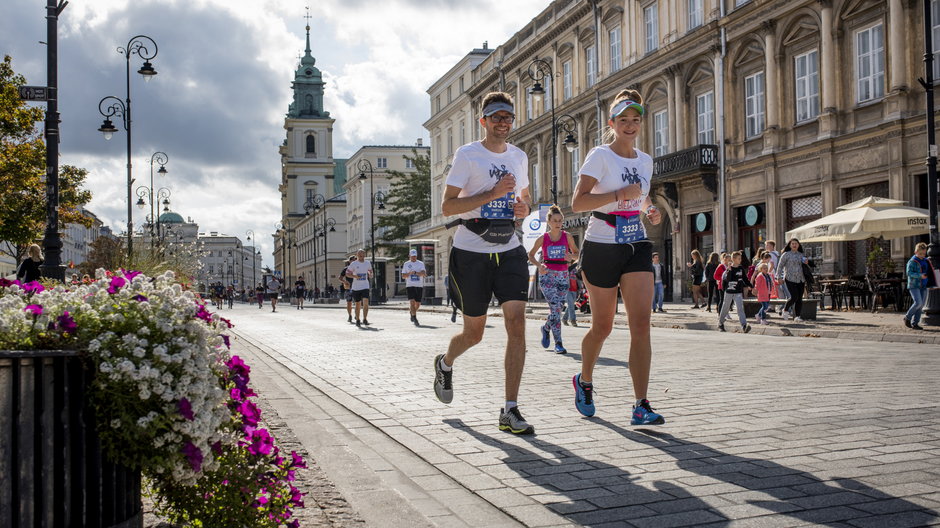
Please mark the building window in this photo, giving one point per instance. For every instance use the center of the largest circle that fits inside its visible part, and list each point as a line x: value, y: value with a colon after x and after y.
x: 528, y: 104
x: 461, y: 85
x: 437, y: 149
x: 549, y: 99
x: 807, y: 86
x: 870, y: 66
x: 437, y: 104
x: 566, y: 78
x: 651, y: 21
x: 575, y: 165
x: 660, y: 133
x: 450, y: 142
x: 738, y: 3
x: 614, y: 39
x: 450, y: 96
x: 463, y: 134
x: 382, y: 163
x: 935, y: 18
x: 311, y: 145
x: 591, y: 66
x: 705, y: 108
x: 409, y: 163
x: 754, y: 104
x: 696, y: 13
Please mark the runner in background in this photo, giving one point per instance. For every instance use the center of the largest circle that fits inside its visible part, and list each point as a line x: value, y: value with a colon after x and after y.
x: 414, y: 272
x: 558, y: 250
x: 360, y: 270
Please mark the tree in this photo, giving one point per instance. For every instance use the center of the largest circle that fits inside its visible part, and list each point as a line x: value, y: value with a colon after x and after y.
x: 23, y: 170
x: 409, y: 201
x: 106, y: 252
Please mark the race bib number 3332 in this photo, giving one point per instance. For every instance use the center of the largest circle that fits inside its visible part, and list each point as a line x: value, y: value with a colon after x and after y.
x: 500, y: 208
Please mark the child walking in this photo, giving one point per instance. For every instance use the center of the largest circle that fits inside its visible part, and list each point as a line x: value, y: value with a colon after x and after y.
x: 734, y: 282
x: 763, y: 285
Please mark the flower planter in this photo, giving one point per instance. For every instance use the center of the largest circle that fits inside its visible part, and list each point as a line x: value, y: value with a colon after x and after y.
x: 53, y: 471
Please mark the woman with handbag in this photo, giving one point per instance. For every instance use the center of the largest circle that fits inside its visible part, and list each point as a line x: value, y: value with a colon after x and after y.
x: 790, y: 273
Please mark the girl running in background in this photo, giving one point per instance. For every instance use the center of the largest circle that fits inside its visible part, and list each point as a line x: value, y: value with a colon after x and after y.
x: 558, y: 250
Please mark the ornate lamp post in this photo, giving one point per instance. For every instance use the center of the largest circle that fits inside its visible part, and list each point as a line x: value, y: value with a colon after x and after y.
x: 313, y: 204
x: 111, y: 106
x: 932, y: 312
x: 160, y: 158
x: 322, y: 230
x: 538, y: 70
x: 254, y: 272
x: 363, y: 165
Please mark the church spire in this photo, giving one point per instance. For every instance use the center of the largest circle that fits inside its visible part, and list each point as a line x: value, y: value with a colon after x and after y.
x: 308, y: 85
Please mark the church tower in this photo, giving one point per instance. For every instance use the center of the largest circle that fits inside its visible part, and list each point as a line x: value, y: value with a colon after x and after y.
x: 311, y: 196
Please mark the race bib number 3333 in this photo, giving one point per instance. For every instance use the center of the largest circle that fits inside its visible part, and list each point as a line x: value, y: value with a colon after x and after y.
x: 629, y: 229
x: 500, y: 208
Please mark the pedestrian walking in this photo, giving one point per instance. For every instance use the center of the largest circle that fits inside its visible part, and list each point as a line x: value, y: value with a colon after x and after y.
x: 300, y: 291
x: 274, y: 289
x: 450, y: 302
x: 230, y: 296
x: 790, y: 273
x: 259, y: 295
x: 719, y: 273
x: 345, y: 290
x: 487, y: 189
x: 763, y: 286
x: 734, y: 284
x: 571, y: 300
x: 710, y: 268
x: 658, y: 288
x: 781, y: 288
x: 697, y: 272
x: 415, y: 271
x: 360, y: 270
x: 558, y: 250
x: 920, y: 277
x: 29, y: 270
x: 614, y: 184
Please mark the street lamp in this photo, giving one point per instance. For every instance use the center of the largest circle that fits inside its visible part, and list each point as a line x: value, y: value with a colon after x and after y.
x: 363, y: 165
x: 141, y: 46
x: 254, y: 272
x: 162, y: 159
x: 314, y: 203
x: 323, y: 230
x: 540, y: 69
x: 932, y: 315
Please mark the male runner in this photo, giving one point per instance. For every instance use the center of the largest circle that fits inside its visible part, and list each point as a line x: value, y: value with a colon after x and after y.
x: 361, y: 272
x: 274, y: 287
x: 415, y: 272
x: 300, y: 291
x: 345, y: 289
x: 487, y: 188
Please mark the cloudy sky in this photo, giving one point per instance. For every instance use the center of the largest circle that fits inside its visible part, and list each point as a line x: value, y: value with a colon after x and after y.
x: 224, y: 68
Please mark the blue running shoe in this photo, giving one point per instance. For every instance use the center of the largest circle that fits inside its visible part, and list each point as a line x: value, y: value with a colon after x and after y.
x: 559, y: 349
x: 583, y: 396
x: 643, y: 415
x: 545, y: 338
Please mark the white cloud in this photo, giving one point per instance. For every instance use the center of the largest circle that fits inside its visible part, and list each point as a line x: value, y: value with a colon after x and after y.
x: 225, y: 68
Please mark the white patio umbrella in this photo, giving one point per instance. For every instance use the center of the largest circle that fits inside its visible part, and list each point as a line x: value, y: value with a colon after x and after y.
x: 870, y: 217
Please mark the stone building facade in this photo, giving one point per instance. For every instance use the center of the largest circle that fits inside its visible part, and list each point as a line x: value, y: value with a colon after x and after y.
x: 762, y: 115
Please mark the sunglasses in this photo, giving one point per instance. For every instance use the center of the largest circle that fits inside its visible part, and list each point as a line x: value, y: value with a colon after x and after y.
x: 502, y: 119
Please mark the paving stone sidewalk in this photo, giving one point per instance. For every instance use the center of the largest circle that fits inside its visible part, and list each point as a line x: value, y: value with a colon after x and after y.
x: 761, y: 430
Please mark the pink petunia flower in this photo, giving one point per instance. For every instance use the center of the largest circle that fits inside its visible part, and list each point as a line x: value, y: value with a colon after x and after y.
x: 194, y: 455
x: 34, y: 309
x: 116, y: 284
x: 66, y: 323
x: 186, y: 409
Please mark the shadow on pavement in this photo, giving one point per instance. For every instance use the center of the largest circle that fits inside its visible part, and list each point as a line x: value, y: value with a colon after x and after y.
x: 594, y: 493
x: 794, y: 493
x: 609, y: 362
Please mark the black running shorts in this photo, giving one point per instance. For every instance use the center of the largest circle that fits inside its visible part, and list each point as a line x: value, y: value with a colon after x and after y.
x: 476, y: 277
x: 415, y: 293
x: 359, y: 295
x: 604, y: 264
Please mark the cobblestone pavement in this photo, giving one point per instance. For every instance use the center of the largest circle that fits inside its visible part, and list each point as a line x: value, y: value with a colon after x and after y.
x: 761, y: 430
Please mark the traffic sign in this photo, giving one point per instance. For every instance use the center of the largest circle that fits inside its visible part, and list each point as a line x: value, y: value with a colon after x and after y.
x: 36, y: 93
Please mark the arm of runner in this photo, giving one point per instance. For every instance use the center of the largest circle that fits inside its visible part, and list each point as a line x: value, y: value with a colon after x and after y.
x: 583, y: 200
x: 452, y: 205
x: 521, y: 208
x: 573, y: 253
x: 535, y: 249
x: 652, y: 212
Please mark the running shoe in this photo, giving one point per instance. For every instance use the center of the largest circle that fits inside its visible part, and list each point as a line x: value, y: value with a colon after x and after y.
x: 797, y: 319
x: 358, y: 323
x: 513, y: 422
x: 349, y: 319
x: 746, y: 328
x: 443, y: 386
x: 786, y: 316
x: 546, y: 341
x: 414, y: 319
x: 453, y: 316
x: 643, y: 415
x: 411, y: 318
x: 907, y: 322
x: 564, y: 322
x: 721, y: 326
x: 365, y: 322
x: 574, y: 323
x: 559, y: 349
x: 915, y: 326
x: 583, y: 396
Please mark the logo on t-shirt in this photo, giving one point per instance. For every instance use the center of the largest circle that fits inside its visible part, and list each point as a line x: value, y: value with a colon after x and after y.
x: 498, y: 172
x: 630, y: 174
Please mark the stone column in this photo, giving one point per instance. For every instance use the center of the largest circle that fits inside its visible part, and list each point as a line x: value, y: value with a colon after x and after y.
x: 771, y: 104
x: 678, y: 121
x: 896, y: 49
x: 827, y: 66
x: 670, y: 74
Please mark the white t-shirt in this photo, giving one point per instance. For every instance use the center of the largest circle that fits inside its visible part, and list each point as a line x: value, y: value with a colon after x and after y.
x: 360, y: 271
x: 274, y: 286
x: 476, y: 169
x: 410, y: 270
x: 613, y: 172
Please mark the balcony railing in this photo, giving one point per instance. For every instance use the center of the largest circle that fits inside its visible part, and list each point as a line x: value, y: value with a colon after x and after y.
x: 700, y: 158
